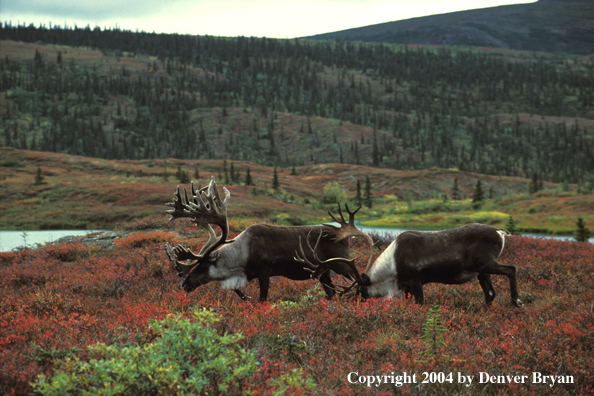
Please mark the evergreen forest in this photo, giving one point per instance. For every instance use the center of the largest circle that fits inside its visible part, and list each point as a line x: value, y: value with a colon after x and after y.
x: 118, y: 94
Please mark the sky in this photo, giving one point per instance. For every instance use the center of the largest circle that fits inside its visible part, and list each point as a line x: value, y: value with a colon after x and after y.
x: 258, y: 18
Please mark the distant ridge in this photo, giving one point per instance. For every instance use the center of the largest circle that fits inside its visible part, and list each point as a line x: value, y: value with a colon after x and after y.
x: 565, y: 26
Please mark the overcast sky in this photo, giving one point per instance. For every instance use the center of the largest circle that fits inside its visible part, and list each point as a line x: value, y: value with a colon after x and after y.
x: 269, y: 18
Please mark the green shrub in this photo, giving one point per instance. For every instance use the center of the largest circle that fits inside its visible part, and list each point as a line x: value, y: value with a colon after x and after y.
x: 187, y: 357
x: 12, y: 164
x: 333, y: 194
x: 433, y: 331
x: 582, y: 233
x: 511, y: 226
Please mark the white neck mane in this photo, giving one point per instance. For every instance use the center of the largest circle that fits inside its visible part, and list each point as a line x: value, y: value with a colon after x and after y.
x: 383, y: 274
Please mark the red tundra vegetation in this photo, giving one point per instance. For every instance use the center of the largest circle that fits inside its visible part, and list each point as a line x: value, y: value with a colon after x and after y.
x: 57, y: 300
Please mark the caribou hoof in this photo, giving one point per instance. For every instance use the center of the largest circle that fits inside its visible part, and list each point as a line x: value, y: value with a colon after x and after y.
x: 518, y: 303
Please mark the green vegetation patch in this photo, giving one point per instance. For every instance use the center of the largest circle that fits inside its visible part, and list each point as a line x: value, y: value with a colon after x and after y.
x: 490, y: 217
x: 12, y: 164
x: 186, y: 357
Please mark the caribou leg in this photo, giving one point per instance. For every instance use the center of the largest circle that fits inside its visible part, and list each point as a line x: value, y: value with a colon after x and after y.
x: 406, y: 290
x: 485, y: 281
x: 241, y: 294
x: 326, y: 282
x: 264, y: 282
x: 493, y: 267
x: 415, y: 287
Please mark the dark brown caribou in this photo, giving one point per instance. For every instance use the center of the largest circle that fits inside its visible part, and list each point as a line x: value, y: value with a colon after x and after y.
x: 259, y: 252
x: 415, y: 258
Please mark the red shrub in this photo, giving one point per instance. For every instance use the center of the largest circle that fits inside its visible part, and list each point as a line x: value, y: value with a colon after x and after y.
x: 60, y: 298
x: 139, y: 239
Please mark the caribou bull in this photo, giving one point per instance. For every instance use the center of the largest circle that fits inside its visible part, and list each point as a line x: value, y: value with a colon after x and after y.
x: 414, y: 258
x: 259, y: 252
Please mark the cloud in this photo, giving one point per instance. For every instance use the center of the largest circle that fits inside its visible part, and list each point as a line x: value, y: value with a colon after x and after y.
x: 90, y: 9
x: 270, y: 18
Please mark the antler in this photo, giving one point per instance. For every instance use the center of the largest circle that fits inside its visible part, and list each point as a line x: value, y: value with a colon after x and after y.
x: 177, y: 253
x: 205, y: 208
x: 323, y: 266
x: 347, y: 230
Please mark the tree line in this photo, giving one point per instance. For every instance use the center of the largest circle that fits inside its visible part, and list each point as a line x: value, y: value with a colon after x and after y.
x: 426, y: 107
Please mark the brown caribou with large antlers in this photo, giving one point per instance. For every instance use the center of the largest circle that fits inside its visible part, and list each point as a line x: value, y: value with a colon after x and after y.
x: 415, y: 258
x: 259, y: 252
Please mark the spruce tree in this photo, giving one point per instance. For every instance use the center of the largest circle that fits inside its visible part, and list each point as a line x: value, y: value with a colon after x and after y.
x: 275, y: 183
x: 455, y: 190
x: 248, y: 178
x: 182, y: 176
x: 535, y: 184
x: 367, y: 192
x: 511, y: 226
x: 582, y: 233
x: 478, y: 195
x: 225, y: 172
x: 357, y: 199
x: 374, y: 150
x: 38, y: 177
x: 232, y: 173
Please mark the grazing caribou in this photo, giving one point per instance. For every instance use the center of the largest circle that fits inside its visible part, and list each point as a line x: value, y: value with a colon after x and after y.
x: 261, y: 251
x: 415, y: 258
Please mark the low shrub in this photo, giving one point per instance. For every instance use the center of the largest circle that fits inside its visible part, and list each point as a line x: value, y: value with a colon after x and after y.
x: 139, y: 239
x: 187, y: 356
x: 69, y: 252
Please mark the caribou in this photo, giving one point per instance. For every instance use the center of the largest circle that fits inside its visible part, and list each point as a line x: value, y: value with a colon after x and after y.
x: 260, y: 252
x: 414, y: 258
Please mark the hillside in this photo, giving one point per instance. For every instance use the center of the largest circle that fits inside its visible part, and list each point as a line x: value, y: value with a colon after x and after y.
x: 565, y: 26
x: 124, y: 95
x: 89, y: 193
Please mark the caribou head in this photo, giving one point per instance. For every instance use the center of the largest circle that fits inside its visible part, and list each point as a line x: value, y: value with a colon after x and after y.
x: 319, y: 267
x: 204, y: 208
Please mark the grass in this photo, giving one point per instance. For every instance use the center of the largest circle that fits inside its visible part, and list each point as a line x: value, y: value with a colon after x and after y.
x: 546, y: 212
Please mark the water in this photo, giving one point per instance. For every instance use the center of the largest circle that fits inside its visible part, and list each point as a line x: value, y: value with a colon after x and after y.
x: 10, y: 240
x: 393, y: 232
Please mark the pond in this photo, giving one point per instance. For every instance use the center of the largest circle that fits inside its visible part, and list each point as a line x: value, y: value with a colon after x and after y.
x: 393, y: 232
x: 10, y: 240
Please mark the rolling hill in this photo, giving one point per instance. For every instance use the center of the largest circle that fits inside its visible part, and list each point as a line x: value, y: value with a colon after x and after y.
x: 42, y: 190
x: 565, y: 26
x: 125, y: 95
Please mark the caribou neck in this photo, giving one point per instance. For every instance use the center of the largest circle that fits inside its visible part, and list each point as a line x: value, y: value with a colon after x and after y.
x: 383, y: 275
